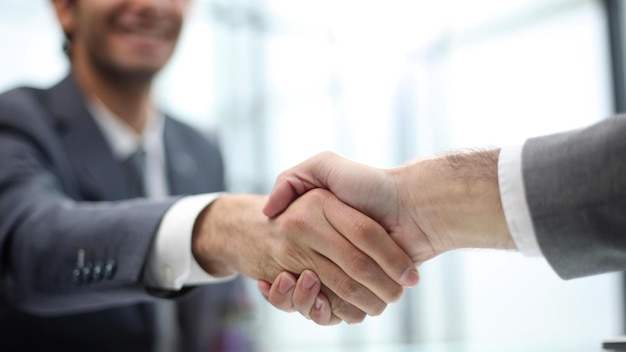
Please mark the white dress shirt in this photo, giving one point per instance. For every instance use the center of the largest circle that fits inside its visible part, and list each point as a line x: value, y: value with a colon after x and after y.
x: 171, y: 264
x: 514, y: 203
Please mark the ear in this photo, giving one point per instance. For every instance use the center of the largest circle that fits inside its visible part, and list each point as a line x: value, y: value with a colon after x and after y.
x: 66, y: 14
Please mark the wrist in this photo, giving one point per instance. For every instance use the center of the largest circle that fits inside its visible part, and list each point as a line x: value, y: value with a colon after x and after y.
x: 226, y: 237
x: 207, y: 243
x: 481, y: 222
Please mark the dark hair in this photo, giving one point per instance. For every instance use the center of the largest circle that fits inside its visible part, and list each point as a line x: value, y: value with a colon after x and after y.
x: 67, y: 47
x: 67, y: 40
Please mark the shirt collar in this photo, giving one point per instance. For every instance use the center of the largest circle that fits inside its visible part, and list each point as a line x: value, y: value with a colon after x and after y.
x: 122, y: 139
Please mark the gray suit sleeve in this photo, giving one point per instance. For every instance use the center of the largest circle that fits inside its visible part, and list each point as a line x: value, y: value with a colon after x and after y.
x: 576, y: 191
x: 43, y: 232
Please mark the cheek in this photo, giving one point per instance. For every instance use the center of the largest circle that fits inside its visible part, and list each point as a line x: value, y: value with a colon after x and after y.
x: 182, y: 6
x: 97, y: 40
x: 179, y: 12
x: 178, y: 24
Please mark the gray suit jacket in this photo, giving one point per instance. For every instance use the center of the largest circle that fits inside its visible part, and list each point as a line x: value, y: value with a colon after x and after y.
x: 576, y: 190
x: 62, y: 190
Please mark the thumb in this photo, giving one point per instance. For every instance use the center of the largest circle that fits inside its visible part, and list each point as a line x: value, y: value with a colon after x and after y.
x: 282, y: 195
x: 310, y: 174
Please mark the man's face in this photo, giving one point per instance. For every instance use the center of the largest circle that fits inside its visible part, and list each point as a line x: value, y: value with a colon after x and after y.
x: 125, y: 37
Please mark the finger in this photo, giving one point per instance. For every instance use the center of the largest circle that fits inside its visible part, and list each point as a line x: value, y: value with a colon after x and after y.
x: 281, y: 292
x: 348, y: 224
x: 307, y: 298
x: 349, y: 293
x: 372, y: 239
x: 306, y: 301
x: 305, y: 293
x: 264, y: 288
x: 322, y: 312
x: 342, y: 310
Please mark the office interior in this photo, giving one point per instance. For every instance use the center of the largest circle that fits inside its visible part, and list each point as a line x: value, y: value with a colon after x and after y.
x: 385, y: 82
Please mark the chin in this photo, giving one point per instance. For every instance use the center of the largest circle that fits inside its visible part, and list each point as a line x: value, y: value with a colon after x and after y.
x: 127, y: 72
x: 144, y: 67
x: 143, y: 62
x: 141, y: 73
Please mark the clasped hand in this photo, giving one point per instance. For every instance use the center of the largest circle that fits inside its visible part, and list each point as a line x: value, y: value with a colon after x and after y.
x: 426, y: 207
x: 360, y: 269
x: 372, y: 191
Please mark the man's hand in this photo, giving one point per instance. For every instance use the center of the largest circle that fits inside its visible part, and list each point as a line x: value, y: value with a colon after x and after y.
x: 361, y: 269
x: 380, y: 194
x: 428, y: 207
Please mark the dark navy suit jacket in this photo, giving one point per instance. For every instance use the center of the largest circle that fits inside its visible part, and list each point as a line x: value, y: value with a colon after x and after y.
x: 61, y: 192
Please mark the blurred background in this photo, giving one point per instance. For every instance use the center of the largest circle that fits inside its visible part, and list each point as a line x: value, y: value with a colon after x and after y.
x: 383, y: 82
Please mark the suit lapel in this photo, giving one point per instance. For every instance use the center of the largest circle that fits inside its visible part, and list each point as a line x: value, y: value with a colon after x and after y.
x: 99, y: 174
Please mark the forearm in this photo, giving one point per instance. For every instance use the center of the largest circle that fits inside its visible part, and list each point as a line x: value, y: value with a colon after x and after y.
x: 53, y: 246
x: 456, y: 199
x: 60, y: 255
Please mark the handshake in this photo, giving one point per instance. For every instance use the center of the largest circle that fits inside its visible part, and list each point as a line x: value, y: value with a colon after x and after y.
x: 337, y: 240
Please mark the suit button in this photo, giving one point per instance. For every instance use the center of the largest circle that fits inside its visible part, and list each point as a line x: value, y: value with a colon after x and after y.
x: 87, y: 273
x: 97, y: 272
x: 109, y: 269
x: 77, y: 276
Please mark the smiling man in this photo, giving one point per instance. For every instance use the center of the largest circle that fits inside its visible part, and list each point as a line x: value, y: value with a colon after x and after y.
x: 107, y: 203
x: 80, y: 136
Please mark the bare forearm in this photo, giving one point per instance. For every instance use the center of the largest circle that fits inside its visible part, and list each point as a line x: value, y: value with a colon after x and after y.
x: 456, y: 199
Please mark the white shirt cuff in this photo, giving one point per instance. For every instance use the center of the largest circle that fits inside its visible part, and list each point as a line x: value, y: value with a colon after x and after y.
x: 171, y: 264
x: 513, y: 195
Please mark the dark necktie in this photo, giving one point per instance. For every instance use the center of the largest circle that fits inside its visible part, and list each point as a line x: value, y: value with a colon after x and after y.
x: 135, y: 166
x: 162, y: 314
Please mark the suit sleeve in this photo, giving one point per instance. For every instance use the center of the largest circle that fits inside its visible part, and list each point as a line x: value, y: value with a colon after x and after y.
x: 576, y: 190
x: 58, y: 255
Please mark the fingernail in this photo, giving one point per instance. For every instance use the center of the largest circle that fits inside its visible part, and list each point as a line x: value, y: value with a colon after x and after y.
x: 308, y: 281
x: 286, y: 283
x: 410, y: 278
x: 318, y: 303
